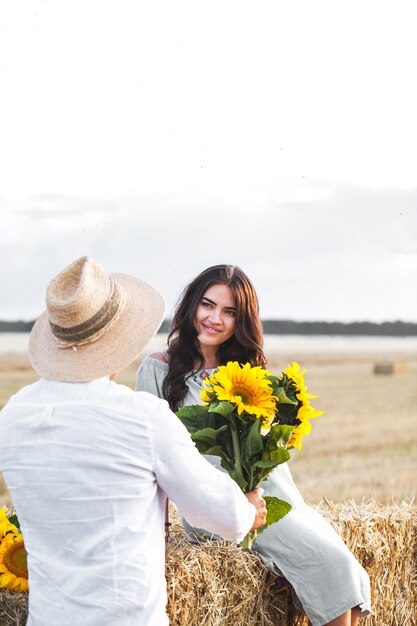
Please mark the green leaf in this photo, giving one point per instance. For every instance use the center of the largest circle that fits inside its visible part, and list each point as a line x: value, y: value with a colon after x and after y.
x: 265, y: 463
x: 283, y: 398
x: 238, y: 478
x: 202, y: 446
x: 278, y: 436
x: 252, y: 445
x: 279, y: 455
x: 223, y: 408
x: 215, y: 451
x: 191, y: 410
x: 195, y: 417
x: 275, y: 382
x: 207, y: 435
x: 13, y: 520
x: 226, y: 465
x: 245, y: 418
x: 277, y: 509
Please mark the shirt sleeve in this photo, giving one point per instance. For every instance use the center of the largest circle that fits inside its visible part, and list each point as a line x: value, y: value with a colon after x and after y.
x: 150, y: 376
x: 206, y: 497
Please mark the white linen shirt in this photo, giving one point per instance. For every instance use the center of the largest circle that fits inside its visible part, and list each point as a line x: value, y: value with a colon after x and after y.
x: 89, y: 467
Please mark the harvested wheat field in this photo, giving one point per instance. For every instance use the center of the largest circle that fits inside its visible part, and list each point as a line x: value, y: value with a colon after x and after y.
x: 365, y: 445
x: 357, y: 467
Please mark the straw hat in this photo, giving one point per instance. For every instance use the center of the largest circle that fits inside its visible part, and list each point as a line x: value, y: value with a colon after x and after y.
x: 95, y: 324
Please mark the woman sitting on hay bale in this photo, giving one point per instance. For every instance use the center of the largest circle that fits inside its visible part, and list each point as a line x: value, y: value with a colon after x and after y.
x: 217, y: 321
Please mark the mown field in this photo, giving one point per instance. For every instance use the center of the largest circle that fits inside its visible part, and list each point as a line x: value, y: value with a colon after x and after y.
x: 364, y: 446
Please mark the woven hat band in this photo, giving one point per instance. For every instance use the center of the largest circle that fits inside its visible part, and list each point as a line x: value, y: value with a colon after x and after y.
x: 92, y: 326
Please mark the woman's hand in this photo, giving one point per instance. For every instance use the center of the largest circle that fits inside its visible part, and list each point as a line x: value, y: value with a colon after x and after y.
x: 255, y: 498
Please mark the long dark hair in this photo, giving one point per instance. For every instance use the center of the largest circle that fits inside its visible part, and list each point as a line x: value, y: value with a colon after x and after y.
x: 245, y: 346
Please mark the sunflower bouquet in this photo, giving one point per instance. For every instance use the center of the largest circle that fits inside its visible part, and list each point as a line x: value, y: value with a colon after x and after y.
x: 13, y: 556
x: 251, y: 419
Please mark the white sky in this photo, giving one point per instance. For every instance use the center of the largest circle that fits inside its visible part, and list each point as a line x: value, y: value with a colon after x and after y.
x: 163, y: 137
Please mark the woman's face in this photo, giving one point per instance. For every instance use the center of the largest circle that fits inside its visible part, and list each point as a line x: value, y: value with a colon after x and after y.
x: 215, y: 316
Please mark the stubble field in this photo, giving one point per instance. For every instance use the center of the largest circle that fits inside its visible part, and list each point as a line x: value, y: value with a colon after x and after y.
x: 364, y: 446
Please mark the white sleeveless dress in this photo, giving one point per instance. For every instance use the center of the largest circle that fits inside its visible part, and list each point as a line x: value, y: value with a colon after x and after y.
x: 326, y: 577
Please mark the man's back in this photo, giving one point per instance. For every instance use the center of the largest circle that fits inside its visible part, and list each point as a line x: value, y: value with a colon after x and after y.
x: 83, y: 483
x: 89, y: 467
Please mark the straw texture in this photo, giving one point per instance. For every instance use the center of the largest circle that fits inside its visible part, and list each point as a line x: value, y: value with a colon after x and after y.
x: 218, y: 584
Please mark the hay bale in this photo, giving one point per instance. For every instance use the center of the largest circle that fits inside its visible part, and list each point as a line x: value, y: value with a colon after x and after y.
x: 385, y: 367
x: 384, y: 540
x: 391, y: 367
x: 217, y: 584
x: 13, y: 608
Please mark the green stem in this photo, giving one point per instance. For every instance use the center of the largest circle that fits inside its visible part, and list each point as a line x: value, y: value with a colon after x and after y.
x: 248, y: 540
x: 251, y: 486
x: 235, y: 442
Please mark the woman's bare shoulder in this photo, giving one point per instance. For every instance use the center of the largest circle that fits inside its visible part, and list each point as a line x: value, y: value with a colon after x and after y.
x: 159, y: 356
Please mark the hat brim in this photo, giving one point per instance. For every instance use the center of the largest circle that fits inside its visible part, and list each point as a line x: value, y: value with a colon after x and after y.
x: 142, y: 315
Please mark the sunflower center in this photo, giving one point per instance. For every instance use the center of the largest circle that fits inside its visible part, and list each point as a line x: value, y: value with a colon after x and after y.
x: 246, y: 394
x: 15, y: 559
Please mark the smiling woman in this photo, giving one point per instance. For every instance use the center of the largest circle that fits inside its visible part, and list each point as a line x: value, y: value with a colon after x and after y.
x: 217, y: 321
x: 214, y: 321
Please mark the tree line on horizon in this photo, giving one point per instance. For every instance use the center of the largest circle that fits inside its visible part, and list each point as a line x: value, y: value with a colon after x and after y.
x: 287, y: 327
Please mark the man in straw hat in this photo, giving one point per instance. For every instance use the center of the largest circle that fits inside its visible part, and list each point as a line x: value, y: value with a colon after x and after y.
x: 90, y: 463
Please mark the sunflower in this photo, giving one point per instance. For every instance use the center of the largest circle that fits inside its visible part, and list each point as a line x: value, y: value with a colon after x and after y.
x: 298, y: 433
x: 13, y: 563
x: 6, y: 526
x: 297, y: 376
x: 244, y: 386
x: 305, y: 410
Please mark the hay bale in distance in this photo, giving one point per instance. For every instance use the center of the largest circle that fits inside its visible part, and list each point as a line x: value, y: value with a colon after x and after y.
x: 384, y: 367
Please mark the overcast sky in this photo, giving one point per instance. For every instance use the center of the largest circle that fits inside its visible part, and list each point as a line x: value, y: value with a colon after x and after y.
x: 163, y: 137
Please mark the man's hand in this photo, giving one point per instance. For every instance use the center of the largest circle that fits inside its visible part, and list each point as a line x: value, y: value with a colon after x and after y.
x: 255, y: 498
